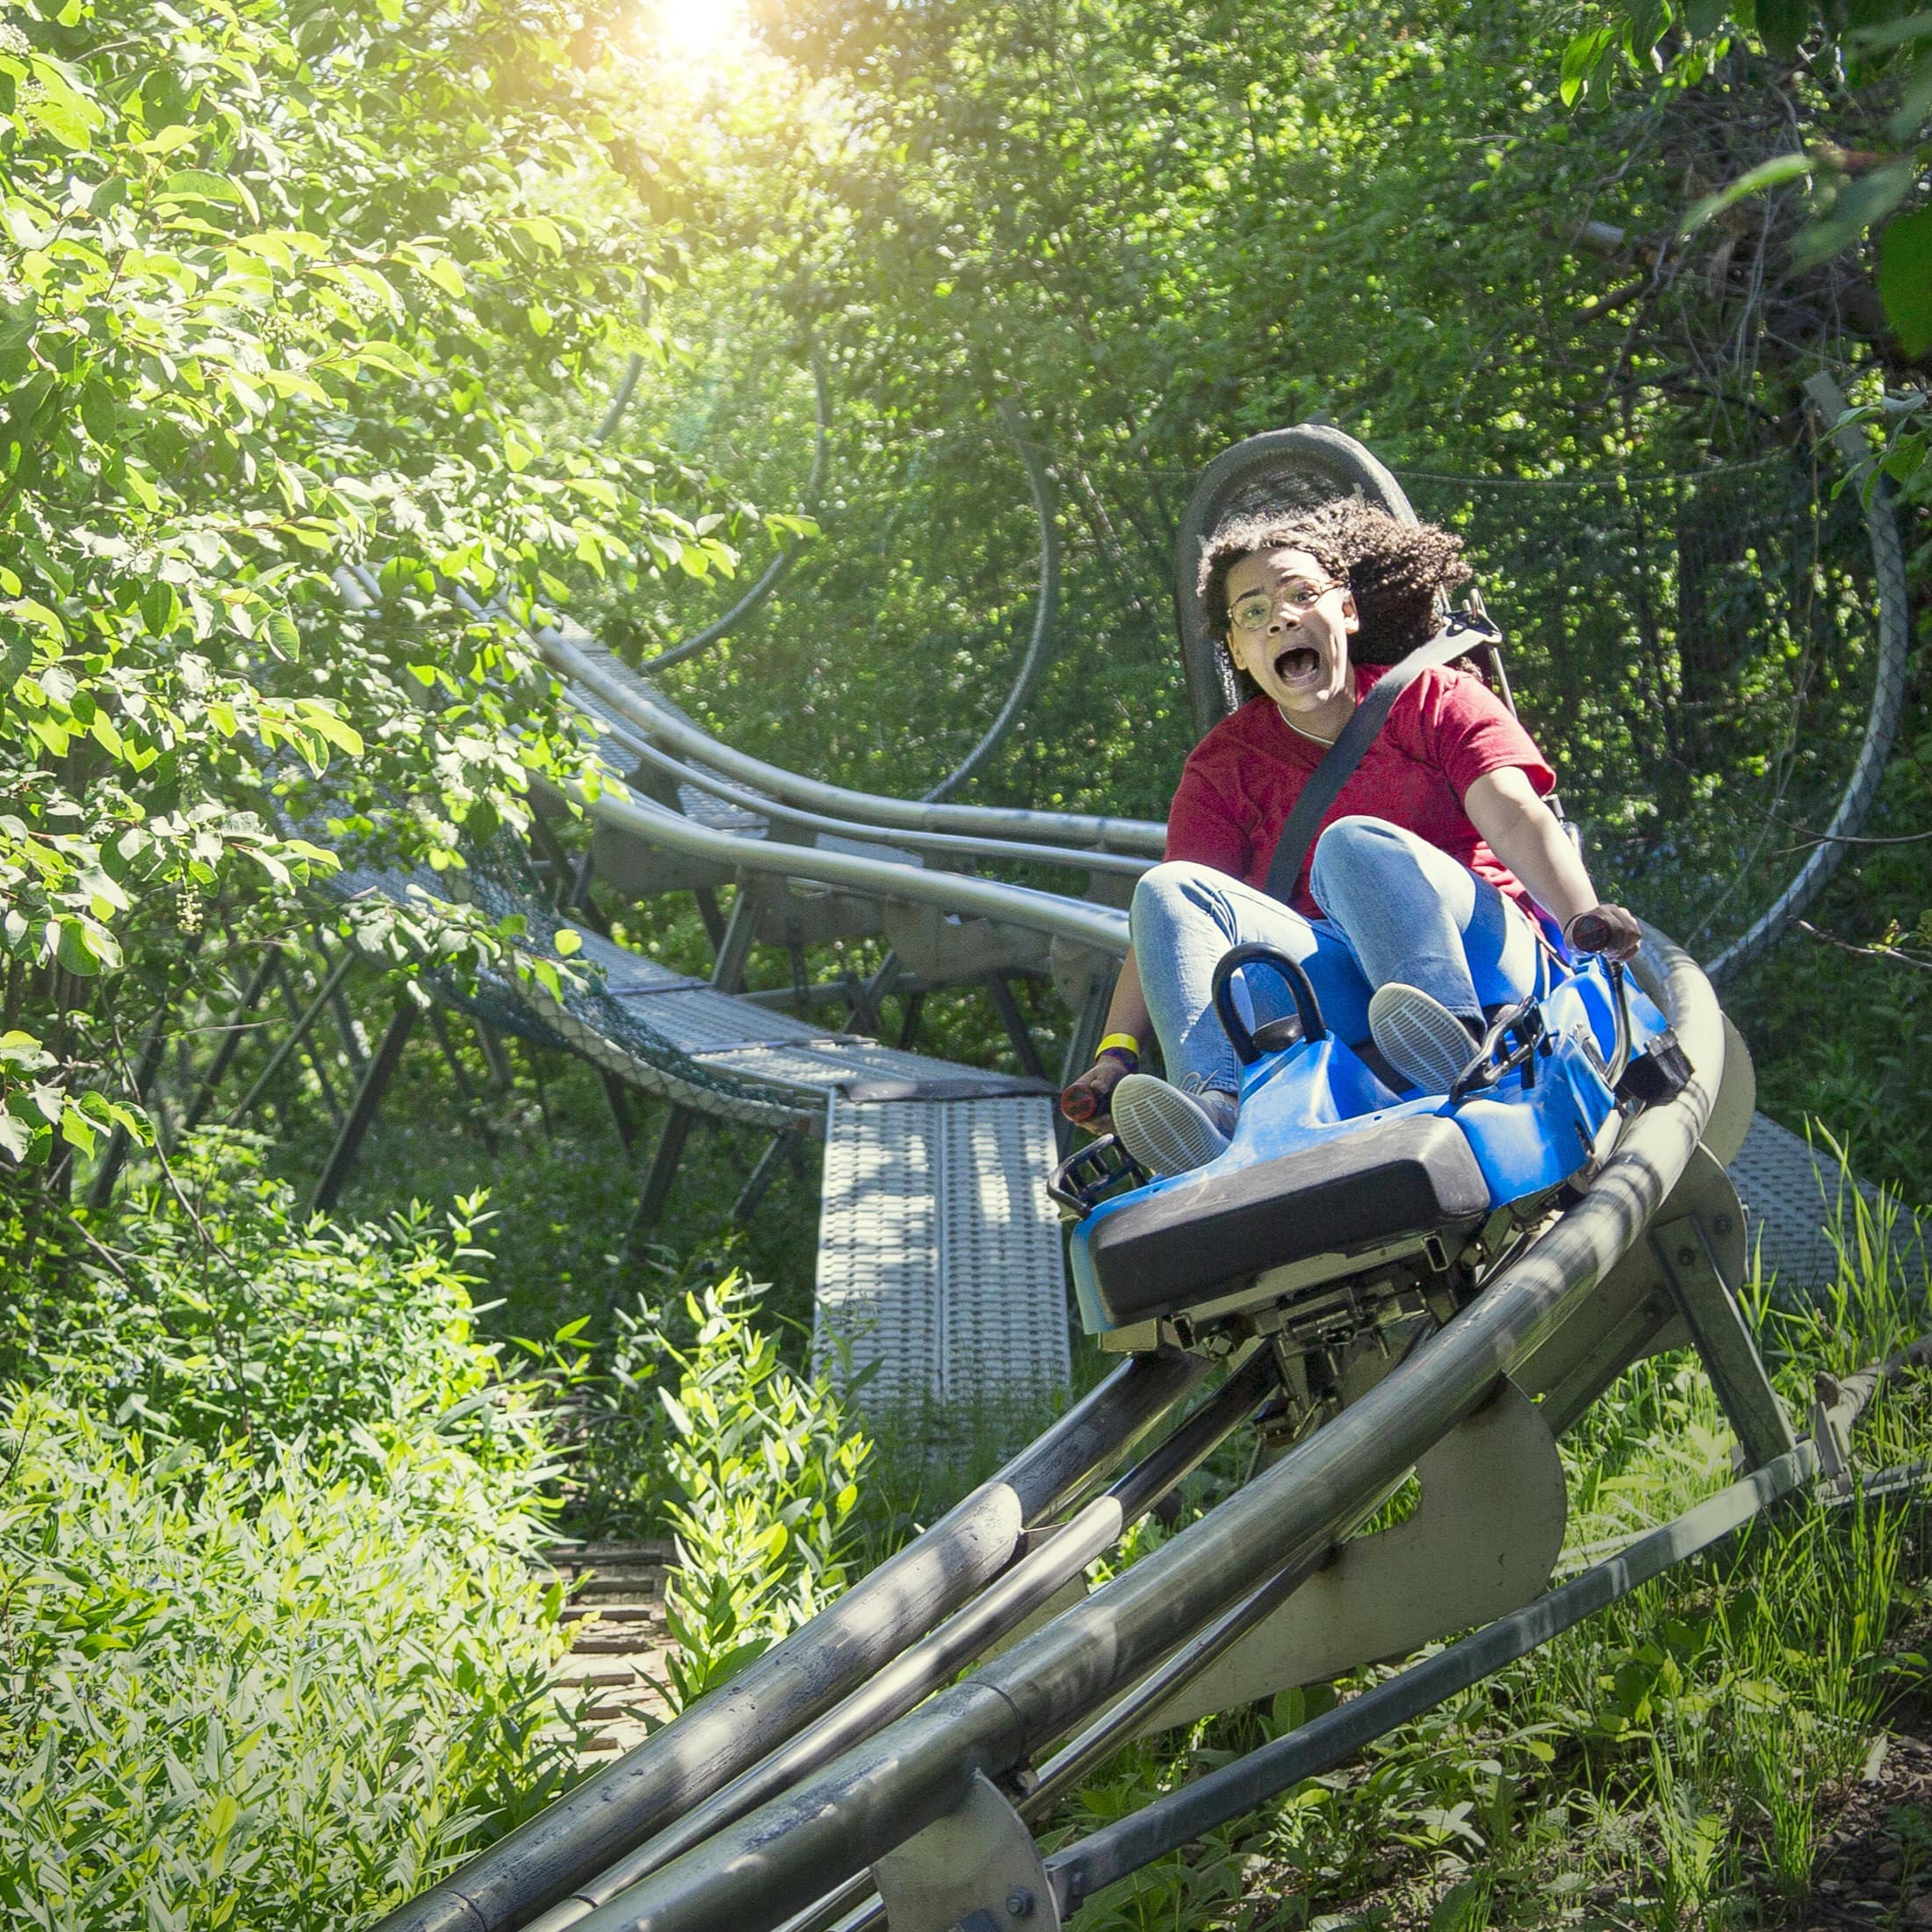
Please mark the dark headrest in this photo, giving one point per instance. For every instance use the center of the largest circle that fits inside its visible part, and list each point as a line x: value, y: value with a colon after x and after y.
x: 1280, y: 469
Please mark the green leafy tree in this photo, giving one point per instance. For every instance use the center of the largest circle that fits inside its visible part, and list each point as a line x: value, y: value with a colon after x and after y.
x: 287, y: 288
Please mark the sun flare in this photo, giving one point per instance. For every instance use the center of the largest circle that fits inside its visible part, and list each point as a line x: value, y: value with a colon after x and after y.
x: 692, y: 28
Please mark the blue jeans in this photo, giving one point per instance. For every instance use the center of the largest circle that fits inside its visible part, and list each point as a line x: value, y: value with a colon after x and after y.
x: 1395, y: 908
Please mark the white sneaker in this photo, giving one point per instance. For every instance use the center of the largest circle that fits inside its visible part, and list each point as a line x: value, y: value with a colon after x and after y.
x: 1168, y: 1131
x: 1419, y: 1036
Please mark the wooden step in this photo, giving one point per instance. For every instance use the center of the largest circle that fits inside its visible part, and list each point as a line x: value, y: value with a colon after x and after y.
x: 623, y: 1612
x: 622, y: 1640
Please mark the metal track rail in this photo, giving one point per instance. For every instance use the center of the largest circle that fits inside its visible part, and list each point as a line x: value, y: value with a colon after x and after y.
x: 1079, y: 1870
x: 952, y: 844
x: 799, y: 1680
x: 575, y: 654
x: 1077, y: 919
x: 832, y: 1822
x: 1887, y: 698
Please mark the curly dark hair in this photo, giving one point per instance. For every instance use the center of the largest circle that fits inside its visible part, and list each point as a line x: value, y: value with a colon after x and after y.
x: 1398, y: 571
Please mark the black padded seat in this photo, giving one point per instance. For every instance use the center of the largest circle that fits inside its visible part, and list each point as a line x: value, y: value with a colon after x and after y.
x: 1395, y: 1180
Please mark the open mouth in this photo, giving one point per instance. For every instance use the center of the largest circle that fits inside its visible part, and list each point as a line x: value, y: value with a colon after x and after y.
x: 1297, y: 664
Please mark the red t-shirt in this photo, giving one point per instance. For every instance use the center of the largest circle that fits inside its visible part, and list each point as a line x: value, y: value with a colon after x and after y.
x: 1444, y: 732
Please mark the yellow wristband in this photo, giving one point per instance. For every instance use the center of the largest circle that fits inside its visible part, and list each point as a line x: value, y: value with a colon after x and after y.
x: 1126, y: 1042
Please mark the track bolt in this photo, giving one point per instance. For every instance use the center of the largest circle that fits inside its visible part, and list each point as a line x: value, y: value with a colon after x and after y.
x: 1020, y: 1904
x: 1722, y: 1224
x: 1686, y: 1256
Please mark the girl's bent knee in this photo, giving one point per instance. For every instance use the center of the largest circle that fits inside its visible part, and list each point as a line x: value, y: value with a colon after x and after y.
x: 1168, y: 882
x: 1354, y: 842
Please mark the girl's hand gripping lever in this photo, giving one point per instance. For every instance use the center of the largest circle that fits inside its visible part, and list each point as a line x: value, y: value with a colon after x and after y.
x: 1606, y: 929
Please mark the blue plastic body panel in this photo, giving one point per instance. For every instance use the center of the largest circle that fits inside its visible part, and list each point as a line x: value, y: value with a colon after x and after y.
x: 1526, y: 1138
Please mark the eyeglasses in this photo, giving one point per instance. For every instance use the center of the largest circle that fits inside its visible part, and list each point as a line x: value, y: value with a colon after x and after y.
x: 1255, y: 611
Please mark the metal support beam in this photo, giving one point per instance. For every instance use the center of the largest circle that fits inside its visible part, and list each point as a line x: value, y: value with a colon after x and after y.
x: 760, y: 1179
x: 909, y: 1022
x: 734, y: 948
x: 728, y: 976
x: 548, y: 856
x: 294, y: 1038
x: 1718, y: 1327
x: 663, y: 1170
x: 353, y: 1040
x: 581, y: 902
x: 866, y: 995
x: 1632, y: 1312
x: 232, y: 1036
x: 618, y: 1097
x: 1015, y: 1023
x: 1481, y: 1542
x: 708, y: 911
x: 503, y: 1075
x: 362, y: 1113
x: 292, y: 1004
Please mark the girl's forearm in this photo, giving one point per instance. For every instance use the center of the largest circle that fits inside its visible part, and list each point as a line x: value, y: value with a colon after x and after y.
x: 1127, y: 1011
x: 1525, y: 834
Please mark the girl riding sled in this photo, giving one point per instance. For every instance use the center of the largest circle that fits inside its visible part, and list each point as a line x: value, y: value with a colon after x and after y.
x: 1439, y: 882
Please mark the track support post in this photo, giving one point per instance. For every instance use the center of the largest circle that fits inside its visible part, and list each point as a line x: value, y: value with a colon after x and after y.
x: 362, y: 1113
x: 1724, y: 1340
x: 975, y: 1870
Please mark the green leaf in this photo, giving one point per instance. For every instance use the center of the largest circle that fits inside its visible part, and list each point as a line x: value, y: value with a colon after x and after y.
x: 1860, y: 205
x: 445, y: 274
x: 1905, y: 279
x: 17, y: 1138
x: 1768, y: 174
x: 76, y: 1130
x: 542, y: 231
x: 1580, y: 59
x: 198, y: 184
x: 167, y: 141
x: 1463, y: 1907
x: 567, y: 941
x: 323, y: 719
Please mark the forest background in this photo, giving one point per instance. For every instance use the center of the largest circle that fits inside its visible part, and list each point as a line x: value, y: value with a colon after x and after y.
x: 289, y: 283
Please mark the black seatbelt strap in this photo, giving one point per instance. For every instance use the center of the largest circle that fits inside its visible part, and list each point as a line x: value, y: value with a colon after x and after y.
x: 1457, y: 638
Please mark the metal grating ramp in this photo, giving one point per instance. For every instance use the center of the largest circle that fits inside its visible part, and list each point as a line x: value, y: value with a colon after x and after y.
x: 1792, y: 1194
x: 940, y: 1262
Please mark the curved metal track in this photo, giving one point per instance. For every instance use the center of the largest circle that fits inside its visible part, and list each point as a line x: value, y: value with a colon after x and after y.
x: 1039, y: 651
x: 848, y: 1754
x: 1887, y: 698
x: 881, y: 1767
x: 1033, y: 665
x: 774, y: 573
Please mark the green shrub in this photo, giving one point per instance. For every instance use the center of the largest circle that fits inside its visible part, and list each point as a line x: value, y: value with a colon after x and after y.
x: 237, y: 1693
x: 767, y: 1475
x: 218, y: 1312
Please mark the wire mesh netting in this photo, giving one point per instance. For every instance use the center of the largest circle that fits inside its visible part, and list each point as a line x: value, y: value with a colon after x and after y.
x: 1696, y: 655
x: 589, y: 1012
